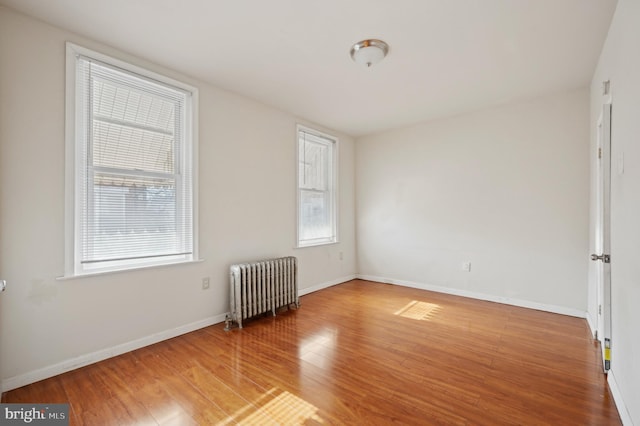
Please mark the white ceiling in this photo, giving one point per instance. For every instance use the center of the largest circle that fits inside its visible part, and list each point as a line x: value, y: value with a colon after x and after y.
x: 446, y: 56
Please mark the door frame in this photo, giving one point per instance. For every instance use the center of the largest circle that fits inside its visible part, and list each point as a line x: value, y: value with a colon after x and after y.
x: 602, y: 236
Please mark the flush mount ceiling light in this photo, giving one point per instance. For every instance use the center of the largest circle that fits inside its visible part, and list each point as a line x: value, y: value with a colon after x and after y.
x: 369, y: 52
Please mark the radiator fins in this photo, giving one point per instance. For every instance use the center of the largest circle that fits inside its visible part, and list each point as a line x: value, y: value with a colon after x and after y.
x: 260, y: 287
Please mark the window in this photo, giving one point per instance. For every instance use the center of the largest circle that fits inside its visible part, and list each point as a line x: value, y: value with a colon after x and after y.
x: 130, y: 156
x: 316, y: 188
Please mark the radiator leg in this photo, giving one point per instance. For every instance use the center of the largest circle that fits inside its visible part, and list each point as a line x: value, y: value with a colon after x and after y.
x: 227, y: 323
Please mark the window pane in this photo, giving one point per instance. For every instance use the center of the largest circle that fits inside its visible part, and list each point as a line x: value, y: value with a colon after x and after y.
x: 133, y: 217
x: 132, y: 129
x: 122, y: 147
x: 119, y: 102
x: 314, y: 165
x: 315, y: 215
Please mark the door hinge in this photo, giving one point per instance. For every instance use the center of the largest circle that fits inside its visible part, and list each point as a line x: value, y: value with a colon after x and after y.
x: 604, y: 257
x: 599, y: 152
x: 599, y: 309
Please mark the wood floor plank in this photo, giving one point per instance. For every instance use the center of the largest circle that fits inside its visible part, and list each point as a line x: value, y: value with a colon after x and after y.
x: 356, y: 353
x: 92, y: 399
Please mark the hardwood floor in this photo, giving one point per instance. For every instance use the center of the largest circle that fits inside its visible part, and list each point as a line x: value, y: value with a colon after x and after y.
x: 359, y: 353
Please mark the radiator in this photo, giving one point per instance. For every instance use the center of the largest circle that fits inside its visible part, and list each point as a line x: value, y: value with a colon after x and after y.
x: 260, y: 287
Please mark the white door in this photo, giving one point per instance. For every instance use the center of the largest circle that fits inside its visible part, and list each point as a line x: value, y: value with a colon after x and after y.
x: 602, y: 247
x: 3, y: 285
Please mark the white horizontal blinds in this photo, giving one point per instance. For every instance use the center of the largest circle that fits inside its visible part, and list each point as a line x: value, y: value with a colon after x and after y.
x: 315, y: 184
x: 135, y: 179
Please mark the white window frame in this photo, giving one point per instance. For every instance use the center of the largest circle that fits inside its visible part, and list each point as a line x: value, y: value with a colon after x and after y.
x: 73, y: 160
x: 333, y: 142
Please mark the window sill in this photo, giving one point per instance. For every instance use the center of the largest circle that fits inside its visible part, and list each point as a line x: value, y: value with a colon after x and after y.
x: 118, y: 271
x: 328, y: 243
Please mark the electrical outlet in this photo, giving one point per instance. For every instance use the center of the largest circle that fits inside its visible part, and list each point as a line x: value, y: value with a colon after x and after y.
x: 341, y: 256
x: 205, y: 283
x: 466, y: 266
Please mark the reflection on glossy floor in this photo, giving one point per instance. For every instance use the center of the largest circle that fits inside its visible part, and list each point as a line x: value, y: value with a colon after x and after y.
x: 359, y: 353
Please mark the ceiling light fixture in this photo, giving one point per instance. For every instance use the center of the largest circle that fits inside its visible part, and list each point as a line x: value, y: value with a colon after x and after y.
x: 369, y: 52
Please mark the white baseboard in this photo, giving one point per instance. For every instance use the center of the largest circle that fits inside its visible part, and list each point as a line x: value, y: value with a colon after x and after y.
x: 71, y: 364
x: 592, y: 324
x: 480, y: 296
x: 83, y: 360
x: 617, y: 398
x: 326, y: 284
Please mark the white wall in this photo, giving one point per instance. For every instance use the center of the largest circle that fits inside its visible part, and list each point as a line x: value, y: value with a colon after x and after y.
x: 620, y: 63
x: 247, y: 211
x: 505, y: 188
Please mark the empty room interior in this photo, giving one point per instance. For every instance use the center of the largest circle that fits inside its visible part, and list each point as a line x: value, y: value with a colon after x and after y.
x: 453, y: 187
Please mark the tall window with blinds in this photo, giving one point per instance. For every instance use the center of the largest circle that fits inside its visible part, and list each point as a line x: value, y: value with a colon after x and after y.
x: 317, y: 209
x: 133, y: 167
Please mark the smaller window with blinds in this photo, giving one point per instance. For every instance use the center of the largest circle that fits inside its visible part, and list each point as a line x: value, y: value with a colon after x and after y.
x: 131, y: 156
x: 317, y: 171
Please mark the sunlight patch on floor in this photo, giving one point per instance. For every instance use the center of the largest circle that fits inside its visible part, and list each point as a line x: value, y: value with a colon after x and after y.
x: 319, y: 348
x: 417, y: 310
x: 275, y: 407
x: 172, y: 414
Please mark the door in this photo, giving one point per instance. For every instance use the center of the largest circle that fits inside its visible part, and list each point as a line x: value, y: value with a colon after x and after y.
x: 602, y: 246
x: 3, y: 285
